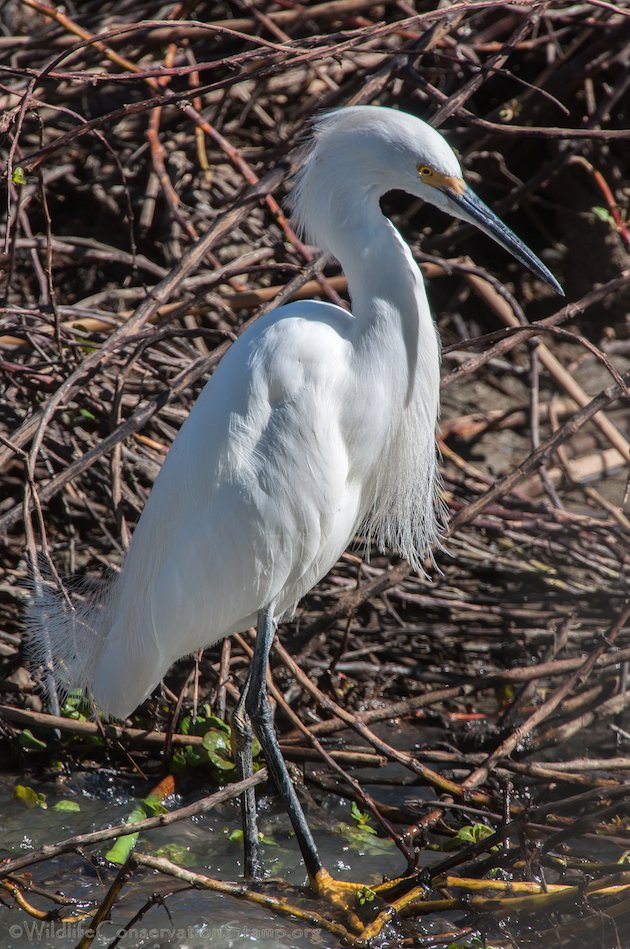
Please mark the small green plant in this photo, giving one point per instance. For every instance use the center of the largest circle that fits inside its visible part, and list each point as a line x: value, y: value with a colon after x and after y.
x: 67, y: 807
x: 604, y: 215
x: 361, y: 819
x: 29, y: 742
x: 469, y: 834
x: 360, y: 835
x: 149, y: 807
x: 365, y: 895
x: 29, y: 797
x: 236, y: 836
x: 76, y: 707
x: 215, y: 751
x: 178, y: 854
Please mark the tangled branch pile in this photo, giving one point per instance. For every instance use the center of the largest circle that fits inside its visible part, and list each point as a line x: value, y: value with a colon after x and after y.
x: 145, y: 167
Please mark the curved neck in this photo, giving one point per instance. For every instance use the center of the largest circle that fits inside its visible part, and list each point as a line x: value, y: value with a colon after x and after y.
x: 394, y: 399
x: 380, y: 269
x: 388, y: 296
x: 336, y: 205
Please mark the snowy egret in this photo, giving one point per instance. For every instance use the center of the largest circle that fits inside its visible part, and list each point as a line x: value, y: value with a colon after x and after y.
x: 317, y: 423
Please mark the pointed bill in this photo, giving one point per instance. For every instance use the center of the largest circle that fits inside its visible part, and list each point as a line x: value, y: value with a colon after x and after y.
x: 468, y: 207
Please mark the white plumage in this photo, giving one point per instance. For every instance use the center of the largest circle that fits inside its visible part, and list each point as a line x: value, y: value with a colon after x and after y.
x: 317, y: 423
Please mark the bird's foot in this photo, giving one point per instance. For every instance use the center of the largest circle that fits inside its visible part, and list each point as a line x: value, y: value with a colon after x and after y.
x: 355, y: 901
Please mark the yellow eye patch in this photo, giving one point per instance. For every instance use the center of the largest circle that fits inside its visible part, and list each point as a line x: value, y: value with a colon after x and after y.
x: 437, y: 180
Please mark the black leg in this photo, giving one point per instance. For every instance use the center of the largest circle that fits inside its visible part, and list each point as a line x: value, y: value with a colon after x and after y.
x: 260, y: 714
x: 245, y: 768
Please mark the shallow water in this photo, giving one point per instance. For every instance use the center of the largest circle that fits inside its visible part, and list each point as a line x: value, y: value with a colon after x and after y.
x: 194, y: 918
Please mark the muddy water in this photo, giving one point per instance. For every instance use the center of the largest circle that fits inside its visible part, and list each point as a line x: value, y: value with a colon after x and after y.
x: 194, y: 919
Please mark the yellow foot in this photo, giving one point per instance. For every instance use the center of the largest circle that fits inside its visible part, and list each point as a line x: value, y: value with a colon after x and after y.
x: 352, y: 899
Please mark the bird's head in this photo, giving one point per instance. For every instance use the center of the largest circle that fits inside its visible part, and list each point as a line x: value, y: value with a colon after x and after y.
x: 376, y: 150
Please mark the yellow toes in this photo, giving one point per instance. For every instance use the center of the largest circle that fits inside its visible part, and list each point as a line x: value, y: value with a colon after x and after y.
x: 352, y: 898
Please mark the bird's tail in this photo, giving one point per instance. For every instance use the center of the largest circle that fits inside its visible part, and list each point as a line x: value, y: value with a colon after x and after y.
x: 66, y: 632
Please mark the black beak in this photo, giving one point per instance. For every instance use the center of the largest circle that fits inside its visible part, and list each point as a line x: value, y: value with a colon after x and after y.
x: 468, y: 207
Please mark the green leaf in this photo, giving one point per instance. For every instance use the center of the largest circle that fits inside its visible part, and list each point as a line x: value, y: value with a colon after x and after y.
x: 364, y: 838
x: 177, y: 853
x: 76, y: 706
x: 236, y: 837
x: 360, y: 817
x: 213, y: 721
x: 355, y: 813
x: 217, y: 742
x: 217, y: 746
x: 66, y: 806
x: 202, y: 723
x: 179, y: 762
x: 603, y: 214
x: 121, y: 849
x: 266, y: 840
x: 28, y: 740
x: 196, y: 755
x: 29, y: 798
x: 123, y: 846
x: 365, y: 895
x: 152, y: 807
x: 470, y: 834
x: 18, y: 177
x: 221, y: 763
x: 475, y: 832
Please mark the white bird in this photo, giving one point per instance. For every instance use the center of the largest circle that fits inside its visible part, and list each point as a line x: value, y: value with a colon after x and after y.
x: 317, y: 424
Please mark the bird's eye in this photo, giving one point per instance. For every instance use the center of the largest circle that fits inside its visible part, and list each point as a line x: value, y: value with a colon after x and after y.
x: 425, y: 171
